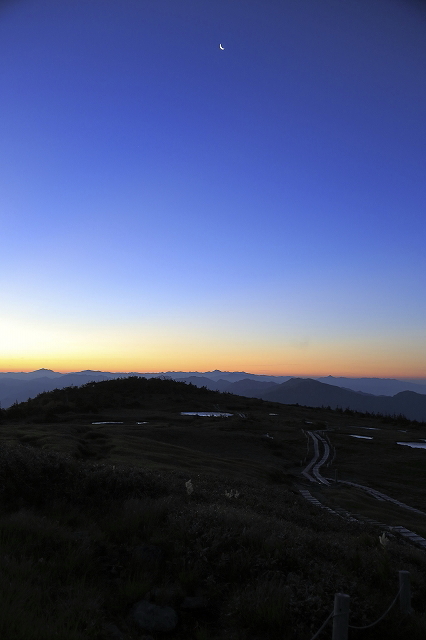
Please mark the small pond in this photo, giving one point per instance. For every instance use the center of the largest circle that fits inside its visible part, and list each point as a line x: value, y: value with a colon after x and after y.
x: 414, y: 445
x: 369, y: 428
x: 206, y: 414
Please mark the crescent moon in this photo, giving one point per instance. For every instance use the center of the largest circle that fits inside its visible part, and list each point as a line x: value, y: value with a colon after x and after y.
x: 221, y: 48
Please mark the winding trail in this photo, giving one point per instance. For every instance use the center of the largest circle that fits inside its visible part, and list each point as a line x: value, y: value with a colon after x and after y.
x: 382, y: 496
x: 312, y: 473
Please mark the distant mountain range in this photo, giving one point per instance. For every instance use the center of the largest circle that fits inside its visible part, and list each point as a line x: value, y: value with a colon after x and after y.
x: 378, y: 395
x: 313, y: 393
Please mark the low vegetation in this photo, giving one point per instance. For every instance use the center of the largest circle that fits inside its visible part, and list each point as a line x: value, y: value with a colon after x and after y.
x: 96, y: 517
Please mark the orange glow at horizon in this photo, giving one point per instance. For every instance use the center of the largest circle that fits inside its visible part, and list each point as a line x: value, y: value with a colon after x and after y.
x: 294, y: 368
x: 157, y: 348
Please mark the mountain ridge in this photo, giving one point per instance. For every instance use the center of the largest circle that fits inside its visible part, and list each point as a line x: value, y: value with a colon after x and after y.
x: 312, y: 393
x: 293, y: 390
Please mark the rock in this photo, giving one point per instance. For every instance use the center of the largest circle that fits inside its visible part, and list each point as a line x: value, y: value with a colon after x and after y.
x: 151, y: 617
x: 195, y: 602
x: 113, y: 631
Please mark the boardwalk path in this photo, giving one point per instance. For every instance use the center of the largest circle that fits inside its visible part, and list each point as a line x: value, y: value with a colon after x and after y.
x: 311, y: 472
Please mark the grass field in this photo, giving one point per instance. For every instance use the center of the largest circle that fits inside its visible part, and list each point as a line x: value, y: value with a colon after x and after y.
x: 96, y: 517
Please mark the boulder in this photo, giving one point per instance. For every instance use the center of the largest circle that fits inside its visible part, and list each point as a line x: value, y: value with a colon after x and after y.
x: 151, y: 617
x: 113, y: 632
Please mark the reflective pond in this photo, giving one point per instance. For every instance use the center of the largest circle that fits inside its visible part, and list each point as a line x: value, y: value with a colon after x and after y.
x: 414, y: 445
x: 206, y: 414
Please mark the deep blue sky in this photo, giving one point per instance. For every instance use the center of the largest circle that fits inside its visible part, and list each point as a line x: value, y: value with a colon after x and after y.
x: 168, y: 205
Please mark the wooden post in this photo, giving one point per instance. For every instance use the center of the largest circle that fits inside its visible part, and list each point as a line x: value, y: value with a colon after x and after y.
x: 340, y: 616
x: 405, y: 593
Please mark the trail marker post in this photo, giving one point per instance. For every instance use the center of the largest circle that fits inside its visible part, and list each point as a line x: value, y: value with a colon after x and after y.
x: 340, y: 616
x: 405, y: 592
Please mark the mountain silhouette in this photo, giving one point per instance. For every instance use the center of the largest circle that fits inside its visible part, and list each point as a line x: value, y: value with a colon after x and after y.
x: 311, y: 393
x: 397, y: 396
x: 376, y: 386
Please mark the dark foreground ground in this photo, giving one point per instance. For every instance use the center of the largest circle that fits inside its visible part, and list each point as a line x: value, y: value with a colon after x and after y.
x: 95, y: 518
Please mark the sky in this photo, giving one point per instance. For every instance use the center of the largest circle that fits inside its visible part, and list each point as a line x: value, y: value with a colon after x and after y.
x: 169, y: 205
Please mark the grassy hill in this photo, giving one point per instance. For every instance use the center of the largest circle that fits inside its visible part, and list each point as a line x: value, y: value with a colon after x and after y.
x: 96, y: 517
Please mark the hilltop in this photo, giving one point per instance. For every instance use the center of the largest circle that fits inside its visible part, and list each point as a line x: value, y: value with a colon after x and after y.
x: 130, y: 395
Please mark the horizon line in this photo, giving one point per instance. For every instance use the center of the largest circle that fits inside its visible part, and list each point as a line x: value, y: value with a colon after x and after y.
x: 275, y: 375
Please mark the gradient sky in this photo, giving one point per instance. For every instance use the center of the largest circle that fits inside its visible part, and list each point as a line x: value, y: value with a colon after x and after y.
x: 166, y: 205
